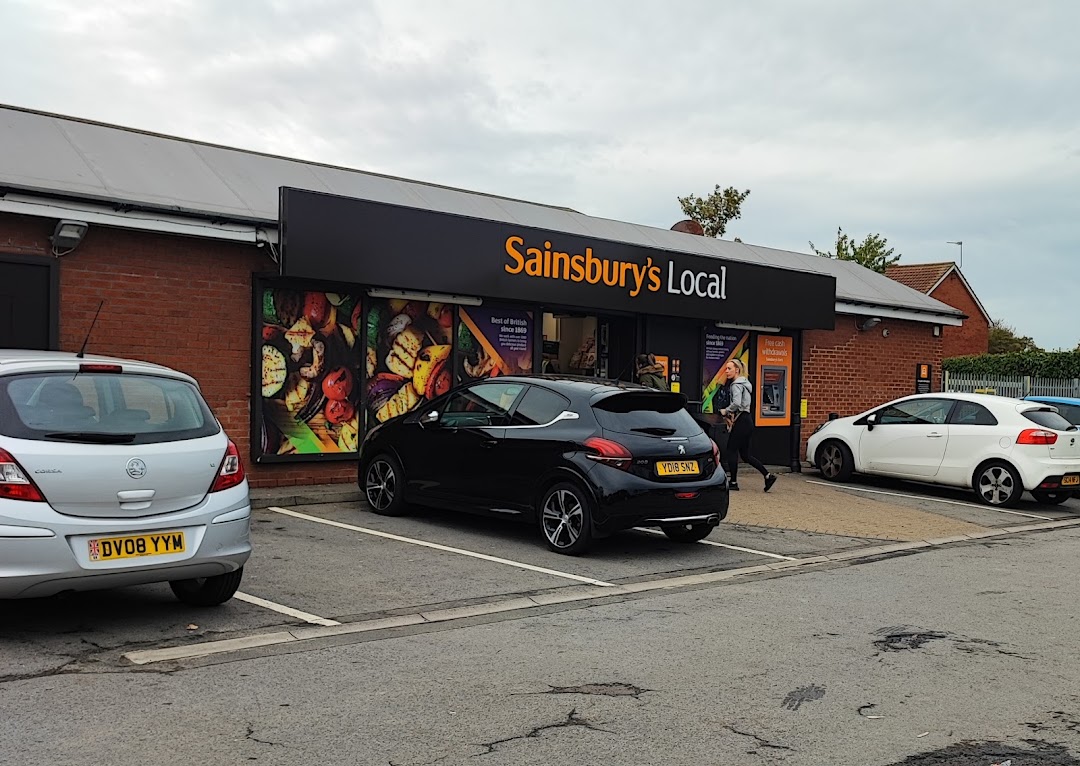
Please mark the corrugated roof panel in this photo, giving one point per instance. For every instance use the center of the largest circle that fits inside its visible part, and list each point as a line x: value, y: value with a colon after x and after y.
x: 365, y: 186
x: 148, y: 168
x: 36, y: 153
x: 255, y: 179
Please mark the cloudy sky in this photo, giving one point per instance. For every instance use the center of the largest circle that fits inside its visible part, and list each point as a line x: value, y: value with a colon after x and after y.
x: 924, y: 121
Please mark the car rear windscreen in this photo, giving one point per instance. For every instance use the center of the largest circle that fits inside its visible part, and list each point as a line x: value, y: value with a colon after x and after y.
x: 105, y: 408
x: 1047, y: 418
x: 647, y: 413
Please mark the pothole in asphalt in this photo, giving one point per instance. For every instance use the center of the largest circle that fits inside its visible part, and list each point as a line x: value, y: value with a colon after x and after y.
x: 994, y: 754
x: 901, y: 640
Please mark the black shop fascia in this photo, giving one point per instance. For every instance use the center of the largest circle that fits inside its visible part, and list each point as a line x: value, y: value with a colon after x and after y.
x: 436, y: 299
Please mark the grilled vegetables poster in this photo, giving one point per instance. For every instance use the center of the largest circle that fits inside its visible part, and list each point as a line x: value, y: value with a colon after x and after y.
x: 719, y: 349
x: 408, y: 357
x: 494, y: 341
x: 310, y: 372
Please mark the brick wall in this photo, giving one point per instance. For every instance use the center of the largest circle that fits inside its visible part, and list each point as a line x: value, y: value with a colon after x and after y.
x: 847, y: 371
x: 178, y: 301
x: 973, y: 337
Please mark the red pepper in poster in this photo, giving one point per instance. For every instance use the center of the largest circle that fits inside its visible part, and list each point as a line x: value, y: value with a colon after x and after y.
x: 316, y: 309
x: 338, y: 383
x: 356, y: 317
x: 339, y: 411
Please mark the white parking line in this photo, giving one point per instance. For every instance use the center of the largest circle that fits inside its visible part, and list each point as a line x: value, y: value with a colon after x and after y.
x: 725, y: 545
x: 445, y: 548
x: 931, y: 499
x: 281, y: 608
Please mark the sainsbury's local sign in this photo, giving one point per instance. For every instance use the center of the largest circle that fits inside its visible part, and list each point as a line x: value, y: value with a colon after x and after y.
x: 632, y: 276
x: 355, y: 242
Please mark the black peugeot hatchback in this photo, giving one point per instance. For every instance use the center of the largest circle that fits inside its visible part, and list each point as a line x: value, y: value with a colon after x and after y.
x: 579, y: 458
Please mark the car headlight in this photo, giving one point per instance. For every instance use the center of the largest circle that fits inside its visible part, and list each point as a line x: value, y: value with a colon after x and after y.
x: 821, y: 425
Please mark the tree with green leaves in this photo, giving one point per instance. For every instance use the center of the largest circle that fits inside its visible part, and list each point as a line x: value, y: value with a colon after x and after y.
x: 1004, y: 340
x: 873, y: 252
x: 716, y: 210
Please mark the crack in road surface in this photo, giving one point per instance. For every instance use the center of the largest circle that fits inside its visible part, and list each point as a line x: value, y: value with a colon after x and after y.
x: 251, y: 736
x: 572, y: 719
x: 760, y: 740
x: 617, y: 689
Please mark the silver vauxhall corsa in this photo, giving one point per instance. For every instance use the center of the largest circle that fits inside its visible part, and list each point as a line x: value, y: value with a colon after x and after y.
x: 115, y: 472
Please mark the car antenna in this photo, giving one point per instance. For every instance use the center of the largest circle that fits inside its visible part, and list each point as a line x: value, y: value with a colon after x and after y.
x: 82, y: 351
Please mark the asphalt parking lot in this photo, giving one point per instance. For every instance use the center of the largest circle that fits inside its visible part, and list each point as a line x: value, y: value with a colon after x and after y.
x: 329, y: 563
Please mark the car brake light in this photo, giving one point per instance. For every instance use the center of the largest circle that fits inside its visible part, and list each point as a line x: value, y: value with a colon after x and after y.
x: 14, y: 483
x: 232, y: 470
x: 715, y: 452
x: 100, y: 368
x: 1036, y: 436
x: 609, y: 452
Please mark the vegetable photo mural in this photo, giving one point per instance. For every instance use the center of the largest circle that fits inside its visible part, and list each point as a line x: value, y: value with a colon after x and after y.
x: 408, y: 355
x: 309, y: 366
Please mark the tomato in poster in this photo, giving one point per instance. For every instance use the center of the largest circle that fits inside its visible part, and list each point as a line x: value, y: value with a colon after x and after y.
x: 338, y: 383
x: 339, y: 411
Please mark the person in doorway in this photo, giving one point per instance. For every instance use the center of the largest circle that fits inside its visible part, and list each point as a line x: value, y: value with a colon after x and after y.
x: 651, y: 374
x: 738, y: 413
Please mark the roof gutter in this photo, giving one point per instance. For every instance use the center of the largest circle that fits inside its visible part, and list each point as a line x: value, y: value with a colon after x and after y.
x: 142, y: 220
x: 911, y: 315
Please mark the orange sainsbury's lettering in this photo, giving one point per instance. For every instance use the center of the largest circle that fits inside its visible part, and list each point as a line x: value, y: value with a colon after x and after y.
x: 587, y: 267
x: 515, y: 255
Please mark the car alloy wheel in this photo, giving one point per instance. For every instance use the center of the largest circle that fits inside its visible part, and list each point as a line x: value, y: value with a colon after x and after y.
x: 566, y: 520
x: 384, y: 483
x: 998, y: 485
x: 835, y: 461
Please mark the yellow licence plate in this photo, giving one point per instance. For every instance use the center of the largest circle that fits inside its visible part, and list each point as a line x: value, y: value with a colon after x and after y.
x: 157, y: 544
x: 1070, y: 481
x: 678, y: 468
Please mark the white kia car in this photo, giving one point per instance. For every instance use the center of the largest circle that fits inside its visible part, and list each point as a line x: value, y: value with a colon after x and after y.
x: 995, y: 445
x: 115, y: 472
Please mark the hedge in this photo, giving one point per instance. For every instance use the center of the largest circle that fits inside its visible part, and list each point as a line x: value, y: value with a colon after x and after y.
x: 1037, y: 364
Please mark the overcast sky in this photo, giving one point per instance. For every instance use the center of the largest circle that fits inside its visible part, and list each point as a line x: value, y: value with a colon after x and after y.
x: 923, y: 121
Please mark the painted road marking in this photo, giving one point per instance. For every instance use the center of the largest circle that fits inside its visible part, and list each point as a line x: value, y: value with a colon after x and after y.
x: 446, y: 548
x: 725, y: 545
x: 314, y: 619
x: 931, y: 499
x: 567, y: 595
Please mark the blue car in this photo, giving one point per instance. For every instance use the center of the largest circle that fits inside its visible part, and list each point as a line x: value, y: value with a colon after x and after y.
x: 1067, y: 406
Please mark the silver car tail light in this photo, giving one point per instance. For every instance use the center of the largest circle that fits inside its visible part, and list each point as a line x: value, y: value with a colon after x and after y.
x: 14, y: 483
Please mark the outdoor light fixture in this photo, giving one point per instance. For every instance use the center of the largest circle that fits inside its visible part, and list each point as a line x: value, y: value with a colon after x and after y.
x: 870, y: 323
x: 464, y: 300
x: 67, y: 235
x: 937, y: 331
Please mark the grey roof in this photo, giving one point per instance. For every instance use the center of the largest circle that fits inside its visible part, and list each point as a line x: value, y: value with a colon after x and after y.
x: 46, y: 153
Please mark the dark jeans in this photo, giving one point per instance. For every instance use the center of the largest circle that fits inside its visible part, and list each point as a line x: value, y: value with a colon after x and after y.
x: 739, y: 445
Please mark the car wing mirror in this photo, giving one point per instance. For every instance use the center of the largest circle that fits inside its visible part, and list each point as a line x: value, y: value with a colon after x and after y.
x: 430, y: 418
x: 871, y: 421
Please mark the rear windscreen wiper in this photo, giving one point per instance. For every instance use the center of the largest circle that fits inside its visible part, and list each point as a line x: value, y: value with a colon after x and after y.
x: 91, y: 437
x: 655, y: 431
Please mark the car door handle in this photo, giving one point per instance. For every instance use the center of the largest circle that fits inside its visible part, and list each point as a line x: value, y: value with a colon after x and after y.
x: 934, y: 435
x: 488, y: 443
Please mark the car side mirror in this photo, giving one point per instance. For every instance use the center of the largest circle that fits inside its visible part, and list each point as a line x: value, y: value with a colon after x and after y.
x: 871, y: 421
x: 430, y: 419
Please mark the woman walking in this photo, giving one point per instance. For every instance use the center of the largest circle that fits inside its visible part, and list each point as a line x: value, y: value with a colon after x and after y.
x: 740, y: 419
